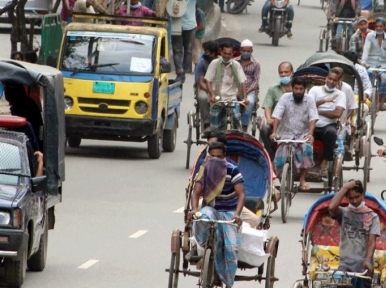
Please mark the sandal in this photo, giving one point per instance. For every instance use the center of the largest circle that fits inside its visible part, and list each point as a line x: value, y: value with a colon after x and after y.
x: 323, y: 172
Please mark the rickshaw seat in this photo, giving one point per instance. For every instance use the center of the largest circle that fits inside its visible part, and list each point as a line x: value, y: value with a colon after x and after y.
x: 7, y: 121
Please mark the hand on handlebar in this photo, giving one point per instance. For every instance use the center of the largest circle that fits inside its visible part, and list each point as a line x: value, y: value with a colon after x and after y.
x: 190, y: 215
x: 246, y: 101
x: 367, y: 264
x: 238, y: 220
x: 272, y: 136
x: 310, y: 138
x: 381, y: 151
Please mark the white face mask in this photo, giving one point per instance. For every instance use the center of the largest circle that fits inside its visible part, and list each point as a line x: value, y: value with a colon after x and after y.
x: 328, y: 89
x: 360, y: 206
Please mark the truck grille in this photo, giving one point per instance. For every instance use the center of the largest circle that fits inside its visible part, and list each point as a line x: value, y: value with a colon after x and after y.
x: 103, y: 106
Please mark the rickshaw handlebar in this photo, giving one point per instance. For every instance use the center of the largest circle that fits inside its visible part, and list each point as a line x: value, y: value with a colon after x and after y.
x: 228, y: 103
x: 288, y: 141
x: 197, y: 217
x: 351, y: 274
x: 343, y: 20
x: 378, y: 69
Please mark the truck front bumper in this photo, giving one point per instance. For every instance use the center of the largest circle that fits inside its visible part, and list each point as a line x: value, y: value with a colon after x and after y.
x: 13, y: 243
x: 109, y: 128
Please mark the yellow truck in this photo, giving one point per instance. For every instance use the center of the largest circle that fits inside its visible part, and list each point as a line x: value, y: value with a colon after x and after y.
x: 116, y: 81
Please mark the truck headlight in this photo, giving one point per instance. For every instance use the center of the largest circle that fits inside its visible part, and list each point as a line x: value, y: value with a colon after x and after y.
x: 141, y: 107
x: 5, y: 218
x: 68, y: 102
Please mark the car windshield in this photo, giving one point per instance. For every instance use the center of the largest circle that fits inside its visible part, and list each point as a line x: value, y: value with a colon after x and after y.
x: 10, y: 164
x: 108, y: 53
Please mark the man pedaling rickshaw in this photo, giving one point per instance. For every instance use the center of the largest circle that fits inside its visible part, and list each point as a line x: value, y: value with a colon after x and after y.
x: 359, y: 228
x: 294, y: 117
x: 220, y: 183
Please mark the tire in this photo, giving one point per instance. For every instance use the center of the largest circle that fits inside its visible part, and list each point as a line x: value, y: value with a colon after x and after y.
x: 270, y: 271
x: 207, y: 272
x: 276, y: 32
x: 74, y: 142
x: 338, y: 181
x: 374, y: 101
x: 154, y: 143
x: 285, y: 191
x: 238, y: 7
x: 173, y: 270
x: 37, y: 262
x: 254, y: 124
x: 366, y: 166
x: 189, y: 148
x: 170, y: 137
x: 14, y: 271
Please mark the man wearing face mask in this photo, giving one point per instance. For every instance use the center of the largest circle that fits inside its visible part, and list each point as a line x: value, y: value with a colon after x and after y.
x: 274, y: 93
x: 251, y: 68
x: 225, y: 78
x: 136, y: 10
x: 374, y: 56
x: 359, y: 229
x: 295, y: 116
x: 331, y: 103
x: 357, y: 40
x: 210, y: 53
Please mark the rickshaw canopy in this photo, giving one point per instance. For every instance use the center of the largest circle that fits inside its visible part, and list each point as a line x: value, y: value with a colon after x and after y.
x: 51, y: 82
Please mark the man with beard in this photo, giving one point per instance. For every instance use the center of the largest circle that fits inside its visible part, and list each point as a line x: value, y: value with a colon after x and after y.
x: 331, y: 103
x: 357, y: 40
x: 294, y: 117
x: 210, y: 53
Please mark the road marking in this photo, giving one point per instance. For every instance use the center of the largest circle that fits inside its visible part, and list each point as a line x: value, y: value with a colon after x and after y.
x: 179, y: 210
x: 88, y: 264
x: 138, y: 234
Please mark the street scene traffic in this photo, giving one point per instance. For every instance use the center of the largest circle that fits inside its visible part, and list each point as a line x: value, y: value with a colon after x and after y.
x: 229, y: 145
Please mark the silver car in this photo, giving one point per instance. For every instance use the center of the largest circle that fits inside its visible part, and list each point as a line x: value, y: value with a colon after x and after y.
x: 34, y: 9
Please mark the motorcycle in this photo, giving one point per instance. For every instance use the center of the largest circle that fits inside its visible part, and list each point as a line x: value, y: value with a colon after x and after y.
x: 237, y: 6
x: 277, y: 20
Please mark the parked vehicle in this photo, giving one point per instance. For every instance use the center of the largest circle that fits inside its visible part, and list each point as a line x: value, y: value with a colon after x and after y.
x: 116, y: 79
x: 27, y: 202
x: 33, y: 9
x: 237, y: 6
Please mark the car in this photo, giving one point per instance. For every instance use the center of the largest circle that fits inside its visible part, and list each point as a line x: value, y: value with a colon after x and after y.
x: 34, y: 9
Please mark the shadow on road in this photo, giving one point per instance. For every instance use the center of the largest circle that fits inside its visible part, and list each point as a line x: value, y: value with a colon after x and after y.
x: 108, y: 152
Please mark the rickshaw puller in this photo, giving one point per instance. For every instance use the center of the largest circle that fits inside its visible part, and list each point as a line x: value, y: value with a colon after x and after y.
x: 359, y: 228
x: 295, y: 116
x: 221, y: 186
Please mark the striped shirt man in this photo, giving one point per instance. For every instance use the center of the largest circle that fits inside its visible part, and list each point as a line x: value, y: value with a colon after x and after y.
x: 252, y: 72
x: 227, y: 200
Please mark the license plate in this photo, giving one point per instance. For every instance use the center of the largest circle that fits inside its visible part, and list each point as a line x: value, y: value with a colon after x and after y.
x: 103, y: 87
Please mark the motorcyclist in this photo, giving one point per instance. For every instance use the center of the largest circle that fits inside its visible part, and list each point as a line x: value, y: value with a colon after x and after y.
x: 359, y: 228
x: 225, y: 78
x: 264, y: 16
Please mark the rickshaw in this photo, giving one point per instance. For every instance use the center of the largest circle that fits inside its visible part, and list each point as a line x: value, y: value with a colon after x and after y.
x: 314, y: 70
x: 36, y: 195
x: 194, y: 117
x: 255, y: 165
x: 320, y: 244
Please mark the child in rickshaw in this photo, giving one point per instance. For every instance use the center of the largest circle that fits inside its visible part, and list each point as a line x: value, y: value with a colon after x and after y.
x: 220, y: 183
x: 359, y: 228
x: 294, y: 117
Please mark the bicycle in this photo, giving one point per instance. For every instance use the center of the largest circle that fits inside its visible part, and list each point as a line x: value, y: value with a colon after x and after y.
x: 208, y: 276
x: 230, y: 106
x: 374, y: 108
x: 287, y: 188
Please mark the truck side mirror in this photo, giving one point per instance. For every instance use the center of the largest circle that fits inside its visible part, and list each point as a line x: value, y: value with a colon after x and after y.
x: 38, y: 183
x: 166, y: 67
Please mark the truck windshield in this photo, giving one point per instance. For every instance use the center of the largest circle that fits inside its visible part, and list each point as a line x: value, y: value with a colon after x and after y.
x: 108, y: 53
x: 10, y: 164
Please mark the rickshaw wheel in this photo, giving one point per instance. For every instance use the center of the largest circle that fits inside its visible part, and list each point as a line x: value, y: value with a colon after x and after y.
x: 254, y: 124
x: 207, y: 272
x: 175, y: 259
x: 270, y: 271
x: 338, y: 181
x: 189, y: 143
x: 285, y: 191
x: 373, y: 109
x: 366, y: 167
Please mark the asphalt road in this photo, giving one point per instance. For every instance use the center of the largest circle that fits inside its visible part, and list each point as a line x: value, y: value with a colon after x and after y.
x: 119, y: 208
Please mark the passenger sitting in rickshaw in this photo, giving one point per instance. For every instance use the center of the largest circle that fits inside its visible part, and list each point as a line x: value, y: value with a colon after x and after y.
x: 225, y: 78
x: 366, y: 83
x: 345, y: 118
x: 294, y: 117
x: 359, y: 228
x: 343, y: 9
x: 331, y: 103
x: 220, y: 183
x: 247, y: 215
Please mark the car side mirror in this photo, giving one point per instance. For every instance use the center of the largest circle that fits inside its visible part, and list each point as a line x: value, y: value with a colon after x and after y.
x: 38, y: 183
x: 378, y: 141
x: 166, y: 67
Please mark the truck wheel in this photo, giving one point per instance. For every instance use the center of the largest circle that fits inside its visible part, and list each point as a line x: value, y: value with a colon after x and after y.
x: 154, y: 143
x: 37, y: 262
x: 14, y: 271
x: 74, y: 142
x: 170, y: 138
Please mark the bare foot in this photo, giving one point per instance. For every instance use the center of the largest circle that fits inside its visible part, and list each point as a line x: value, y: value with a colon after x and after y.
x: 304, y: 186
